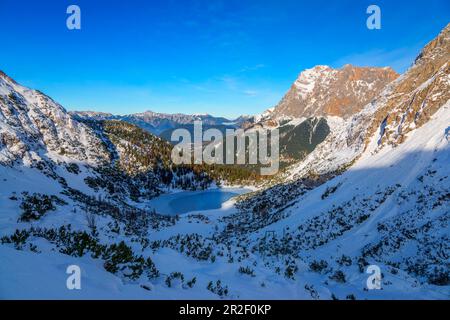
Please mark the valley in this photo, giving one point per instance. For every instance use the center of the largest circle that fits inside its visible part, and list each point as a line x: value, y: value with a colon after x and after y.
x: 364, y: 185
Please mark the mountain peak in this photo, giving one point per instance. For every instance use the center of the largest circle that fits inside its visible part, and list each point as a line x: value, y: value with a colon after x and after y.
x: 4, y: 76
x: 33, y: 128
x: 322, y: 91
x: 437, y: 49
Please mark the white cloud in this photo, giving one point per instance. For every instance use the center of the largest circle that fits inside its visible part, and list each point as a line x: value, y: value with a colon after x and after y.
x: 250, y: 93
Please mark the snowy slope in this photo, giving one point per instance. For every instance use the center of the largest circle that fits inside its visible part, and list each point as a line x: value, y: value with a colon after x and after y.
x: 33, y: 127
x: 372, y: 173
x: 370, y: 177
x: 370, y: 194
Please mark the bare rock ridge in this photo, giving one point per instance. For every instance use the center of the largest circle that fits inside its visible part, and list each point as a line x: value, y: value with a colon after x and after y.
x: 318, y: 92
x: 404, y: 105
x: 322, y: 95
x: 418, y: 94
x: 323, y: 91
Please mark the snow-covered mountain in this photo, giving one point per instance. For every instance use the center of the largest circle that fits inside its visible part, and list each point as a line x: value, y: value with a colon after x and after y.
x: 404, y: 105
x: 44, y: 148
x: 321, y: 95
x: 375, y: 192
x: 34, y: 127
x: 163, y: 123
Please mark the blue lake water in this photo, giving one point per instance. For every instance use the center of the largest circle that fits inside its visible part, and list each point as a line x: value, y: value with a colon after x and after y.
x: 184, y: 202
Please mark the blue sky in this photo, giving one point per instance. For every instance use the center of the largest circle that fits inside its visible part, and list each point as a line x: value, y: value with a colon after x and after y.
x: 223, y: 57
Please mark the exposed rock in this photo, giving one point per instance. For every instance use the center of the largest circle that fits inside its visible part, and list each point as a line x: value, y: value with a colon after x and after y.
x: 323, y: 91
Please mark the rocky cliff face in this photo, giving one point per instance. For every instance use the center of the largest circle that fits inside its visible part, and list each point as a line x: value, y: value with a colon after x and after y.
x: 404, y: 105
x: 323, y: 91
x: 377, y: 188
x: 417, y: 95
x: 323, y: 94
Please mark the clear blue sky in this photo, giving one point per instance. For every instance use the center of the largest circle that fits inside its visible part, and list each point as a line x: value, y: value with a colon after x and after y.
x: 223, y: 57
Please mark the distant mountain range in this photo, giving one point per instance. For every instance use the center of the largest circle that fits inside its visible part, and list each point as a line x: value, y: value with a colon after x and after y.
x: 163, y: 123
x: 317, y: 94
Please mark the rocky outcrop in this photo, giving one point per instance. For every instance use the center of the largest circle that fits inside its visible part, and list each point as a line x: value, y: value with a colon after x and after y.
x: 417, y: 95
x: 404, y: 105
x: 323, y: 91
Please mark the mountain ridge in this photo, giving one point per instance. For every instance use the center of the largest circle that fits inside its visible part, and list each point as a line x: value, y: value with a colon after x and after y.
x: 323, y: 91
x: 157, y: 123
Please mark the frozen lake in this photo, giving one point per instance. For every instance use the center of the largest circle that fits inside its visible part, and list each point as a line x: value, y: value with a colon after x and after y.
x: 188, y: 201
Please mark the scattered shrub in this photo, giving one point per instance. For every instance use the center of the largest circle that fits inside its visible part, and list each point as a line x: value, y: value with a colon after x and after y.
x: 192, y: 282
x: 318, y: 266
x: 174, y: 276
x: 247, y: 270
x: 338, y: 276
x: 218, y: 288
x: 36, y: 205
x: 439, y: 277
x: 344, y: 261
